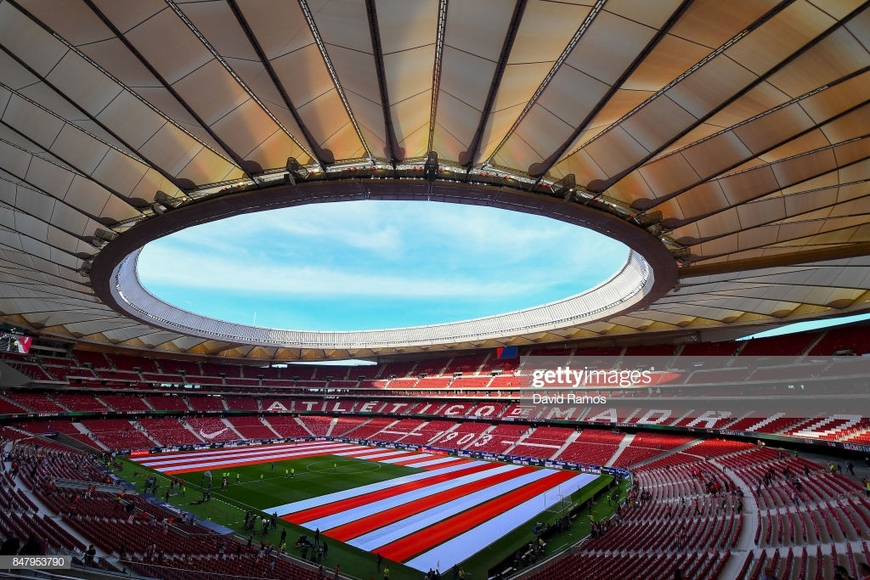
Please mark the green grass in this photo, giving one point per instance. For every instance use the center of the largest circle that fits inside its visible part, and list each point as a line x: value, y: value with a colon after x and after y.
x: 504, y: 548
x: 316, y: 476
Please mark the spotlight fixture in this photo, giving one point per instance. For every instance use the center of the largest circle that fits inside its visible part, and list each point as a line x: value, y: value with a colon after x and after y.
x: 681, y: 257
x: 564, y: 188
x: 295, y: 171
x: 167, y: 200
x: 104, y: 235
x: 648, y: 219
x: 85, y: 268
x: 430, y: 168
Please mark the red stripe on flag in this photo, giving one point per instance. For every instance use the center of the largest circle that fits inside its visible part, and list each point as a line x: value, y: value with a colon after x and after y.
x: 383, y: 454
x: 254, y: 461
x: 329, y: 509
x: 415, y: 458
x: 205, y: 453
x: 425, y: 539
x: 367, y: 524
x: 457, y: 461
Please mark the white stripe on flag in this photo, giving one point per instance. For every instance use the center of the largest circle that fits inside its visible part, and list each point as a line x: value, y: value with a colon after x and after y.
x: 378, y: 454
x: 431, y: 462
x: 467, y: 544
x: 232, y: 461
x: 304, y: 504
x: 353, y: 514
x: 198, y: 456
x: 419, y: 457
x: 374, y: 540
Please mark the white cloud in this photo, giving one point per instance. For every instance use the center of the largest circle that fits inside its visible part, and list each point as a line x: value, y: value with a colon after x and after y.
x: 194, y: 271
x: 366, y: 251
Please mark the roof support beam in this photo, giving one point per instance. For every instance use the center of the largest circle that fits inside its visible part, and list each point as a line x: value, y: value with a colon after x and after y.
x: 236, y: 158
x: 469, y: 158
x: 395, y: 153
x: 436, y: 69
x: 604, y: 184
x: 541, y: 169
x: 776, y: 261
x: 321, y: 157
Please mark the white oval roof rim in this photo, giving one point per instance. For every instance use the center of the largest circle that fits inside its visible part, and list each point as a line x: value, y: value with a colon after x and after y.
x: 622, y: 290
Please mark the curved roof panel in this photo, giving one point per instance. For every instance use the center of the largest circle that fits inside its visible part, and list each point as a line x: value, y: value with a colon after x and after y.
x: 734, y: 137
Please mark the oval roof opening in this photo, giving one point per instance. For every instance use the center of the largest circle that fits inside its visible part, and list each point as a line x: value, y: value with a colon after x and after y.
x: 368, y: 265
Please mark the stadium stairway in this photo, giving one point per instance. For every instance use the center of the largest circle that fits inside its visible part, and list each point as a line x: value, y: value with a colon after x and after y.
x: 667, y: 453
x: 189, y: 428
x: 304, y: 426
x: 269, y: 427
x: 349, y: 432
x: 138, y: 427
x: 746, y: 539
x: 87, y: 433
x: 232, y: 428
x: 626, y: 441
x: 519, y: 440
x: 331, y: 426
x: 568, y: 441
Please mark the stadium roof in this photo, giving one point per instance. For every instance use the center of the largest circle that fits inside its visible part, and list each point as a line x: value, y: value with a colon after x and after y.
x: 725, y: 142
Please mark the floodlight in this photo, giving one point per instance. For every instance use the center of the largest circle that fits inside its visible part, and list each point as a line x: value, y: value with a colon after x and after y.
x: 105, y: 235
x: 430, y: 168
x: 564, y: 187
x: 295, y: 169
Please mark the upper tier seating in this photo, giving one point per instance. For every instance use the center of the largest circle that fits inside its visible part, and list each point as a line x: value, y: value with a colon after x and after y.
x: 81, y: 403
x: 125, y: 402
x: 132, y: 363
x: 467, y: 364
x: 784, y: 345
x: 710, y: 349
x: 167, y: 402
x: 494, y: 364
x: 851, y: 338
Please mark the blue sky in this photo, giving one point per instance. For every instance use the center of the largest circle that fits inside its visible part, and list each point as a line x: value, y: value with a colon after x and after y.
x: 375, y: 264
x: 812, y: 325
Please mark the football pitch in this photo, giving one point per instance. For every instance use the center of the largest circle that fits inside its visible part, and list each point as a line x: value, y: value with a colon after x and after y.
x: 421, y: 510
